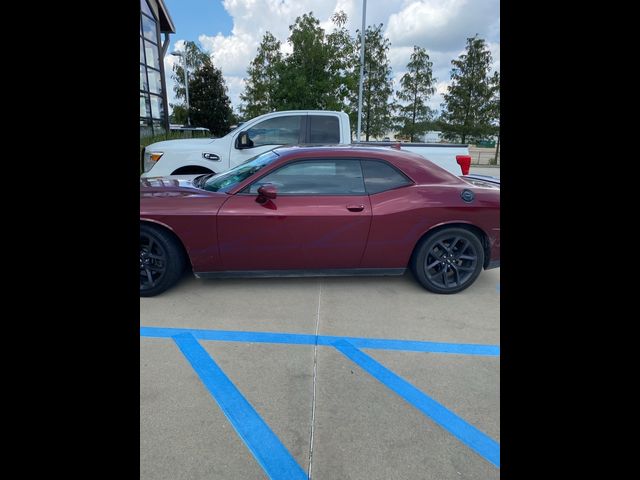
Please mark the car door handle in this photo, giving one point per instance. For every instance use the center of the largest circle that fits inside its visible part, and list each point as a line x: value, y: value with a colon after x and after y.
x: 355, y: 208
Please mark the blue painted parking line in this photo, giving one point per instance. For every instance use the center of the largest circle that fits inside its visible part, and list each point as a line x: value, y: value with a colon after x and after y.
x: 463, y: 431
x: 265, y: 446
x: 324, y: 340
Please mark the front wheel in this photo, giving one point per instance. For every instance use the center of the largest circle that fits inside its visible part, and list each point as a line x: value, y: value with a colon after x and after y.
x: 161, y: 261
x: 448, y: 261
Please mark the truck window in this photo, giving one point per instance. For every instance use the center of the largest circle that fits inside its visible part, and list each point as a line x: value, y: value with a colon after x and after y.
x: 276, y: 131
x: 324, y: 129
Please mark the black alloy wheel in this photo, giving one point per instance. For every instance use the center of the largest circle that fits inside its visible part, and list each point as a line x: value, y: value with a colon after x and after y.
x: 161, y: 261
x: 449, y: 260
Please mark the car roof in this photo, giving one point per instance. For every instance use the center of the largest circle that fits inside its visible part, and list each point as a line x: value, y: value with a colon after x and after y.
x: 418, y: 168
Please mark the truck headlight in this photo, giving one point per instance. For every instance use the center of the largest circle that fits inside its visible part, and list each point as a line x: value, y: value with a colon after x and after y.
x: 150, y: 159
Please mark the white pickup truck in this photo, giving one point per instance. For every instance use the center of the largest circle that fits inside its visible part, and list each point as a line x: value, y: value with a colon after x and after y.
x: 215, y: 155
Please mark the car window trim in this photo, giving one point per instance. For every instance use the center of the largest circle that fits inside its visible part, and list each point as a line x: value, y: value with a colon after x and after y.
x: 300, y: 160
x: 411, y: 182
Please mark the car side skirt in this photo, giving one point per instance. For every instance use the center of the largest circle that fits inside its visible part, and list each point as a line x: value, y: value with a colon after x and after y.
x: 493, y: 264
x: 339, y: 272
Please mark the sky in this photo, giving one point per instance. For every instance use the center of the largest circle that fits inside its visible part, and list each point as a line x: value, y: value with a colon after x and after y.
x: 231, y: 30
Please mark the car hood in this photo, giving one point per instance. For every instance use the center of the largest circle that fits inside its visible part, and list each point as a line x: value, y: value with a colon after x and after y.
x: 171, y: 186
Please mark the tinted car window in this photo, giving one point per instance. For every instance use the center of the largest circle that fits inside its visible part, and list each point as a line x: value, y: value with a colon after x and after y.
x: 324, y: 129
x: 276, y: 131
x: 380, y: 176
x: 319, y: 177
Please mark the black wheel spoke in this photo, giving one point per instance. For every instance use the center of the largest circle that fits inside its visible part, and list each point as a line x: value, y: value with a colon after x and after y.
x: 445, y: 276
x: 435, y: 275
x: 443, y: 247
x: 466, y: 257
x: 453, y: 244
x: 437, y: 262
x: 438, y: 254
x: 154, y: 268
x: 149, y: 276
x: 464, y: 246
x: 456, y: 274
x: 466, y: 269
x: 155, y: 257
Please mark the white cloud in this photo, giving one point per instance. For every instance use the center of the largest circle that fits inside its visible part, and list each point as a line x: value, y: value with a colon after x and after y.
x: 230, y: 54
x: 440, y: 26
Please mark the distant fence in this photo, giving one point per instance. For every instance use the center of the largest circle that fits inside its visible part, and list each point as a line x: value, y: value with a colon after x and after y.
x: 483, y: 156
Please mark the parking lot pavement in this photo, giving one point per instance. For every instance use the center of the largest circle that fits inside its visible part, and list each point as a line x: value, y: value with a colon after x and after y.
x: 263, y: 400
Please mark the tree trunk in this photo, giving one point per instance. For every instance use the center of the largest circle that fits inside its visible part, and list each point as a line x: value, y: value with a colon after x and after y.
x: 498, y: 148
x: 368, y: 107
x: 413, y: 124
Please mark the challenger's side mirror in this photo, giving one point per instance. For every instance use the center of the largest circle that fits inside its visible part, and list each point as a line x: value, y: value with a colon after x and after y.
x: 268, y: 191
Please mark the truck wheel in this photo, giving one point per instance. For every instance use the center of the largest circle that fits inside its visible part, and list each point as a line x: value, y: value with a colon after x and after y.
x: 448, y: 261
x: 191, y: 170
x: 162, y: 261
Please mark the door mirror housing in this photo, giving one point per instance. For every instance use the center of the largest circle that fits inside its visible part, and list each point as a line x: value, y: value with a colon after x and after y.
x: 243, y: 141
x: 267, y: 192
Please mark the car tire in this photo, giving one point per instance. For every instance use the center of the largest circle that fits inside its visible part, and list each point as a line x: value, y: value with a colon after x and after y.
x: 162, y: 261
x: 448, y: 261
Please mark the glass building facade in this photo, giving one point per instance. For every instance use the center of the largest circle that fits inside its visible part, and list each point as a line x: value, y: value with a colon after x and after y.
x: 154, y: 116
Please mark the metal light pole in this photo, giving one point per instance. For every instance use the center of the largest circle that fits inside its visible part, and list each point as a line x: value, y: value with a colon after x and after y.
x: 364, y: 14
x: 186, y: 81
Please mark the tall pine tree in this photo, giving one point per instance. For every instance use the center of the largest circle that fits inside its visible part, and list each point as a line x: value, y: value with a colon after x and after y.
x: 471, y: 105
x: 262, y: 82
x: 416, y: 86
x: 378, y: 85
x: 305, y: 81
x: 209, y: 105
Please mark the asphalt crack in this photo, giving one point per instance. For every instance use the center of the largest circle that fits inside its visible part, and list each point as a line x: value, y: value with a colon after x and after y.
x: 315, y: 371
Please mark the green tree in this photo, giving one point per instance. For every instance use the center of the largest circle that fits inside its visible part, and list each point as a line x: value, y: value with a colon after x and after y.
x: 195, y: 59
x: 304, y: 75
x: 209, y: 105
x: 377, y: 110
x: 495, y: 114
x: 208, y: 101
x: 343, y: 65
x: 179, y: 114
x: 417, y: 85
x: 259, y: 94
x: 319, y: 71
x: 471, y: 105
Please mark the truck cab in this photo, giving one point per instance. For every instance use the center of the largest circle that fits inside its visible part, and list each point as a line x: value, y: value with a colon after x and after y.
x: 215, y: 155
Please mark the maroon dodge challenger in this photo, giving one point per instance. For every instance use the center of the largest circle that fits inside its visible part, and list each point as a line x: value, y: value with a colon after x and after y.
x: 321, y: 211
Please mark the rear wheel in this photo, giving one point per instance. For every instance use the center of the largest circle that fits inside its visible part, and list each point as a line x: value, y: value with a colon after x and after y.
x: 448, y: 261
x: 162, y: 261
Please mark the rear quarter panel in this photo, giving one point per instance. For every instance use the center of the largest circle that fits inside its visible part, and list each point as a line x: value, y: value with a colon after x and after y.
x: 403, y: 216
x: 443, y: 156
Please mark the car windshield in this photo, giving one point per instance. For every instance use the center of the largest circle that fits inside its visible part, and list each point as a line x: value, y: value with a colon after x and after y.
x: 224, y: 182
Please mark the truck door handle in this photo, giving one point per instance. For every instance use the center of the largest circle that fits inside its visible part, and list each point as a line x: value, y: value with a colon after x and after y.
x: 355, y: 208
